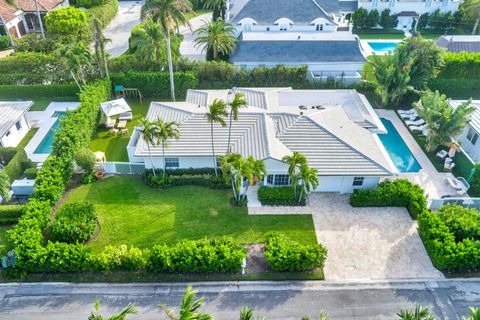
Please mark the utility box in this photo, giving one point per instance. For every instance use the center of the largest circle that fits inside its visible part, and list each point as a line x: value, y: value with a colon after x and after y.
x: 23, y: 187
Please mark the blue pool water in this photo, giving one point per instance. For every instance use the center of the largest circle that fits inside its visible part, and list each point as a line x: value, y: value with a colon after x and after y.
x: 379, y: 46
x: 45, y: 146
x: 401, y: 156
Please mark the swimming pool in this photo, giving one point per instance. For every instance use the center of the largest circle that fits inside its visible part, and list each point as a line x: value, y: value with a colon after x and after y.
x: 381, y: 46
x: 45, y: 146
x: 398, y: 151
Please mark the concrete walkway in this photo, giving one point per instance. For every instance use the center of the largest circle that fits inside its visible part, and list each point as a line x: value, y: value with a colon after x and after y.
x: 187, y: 47
x: 432, y: 181
x: 119, y: 29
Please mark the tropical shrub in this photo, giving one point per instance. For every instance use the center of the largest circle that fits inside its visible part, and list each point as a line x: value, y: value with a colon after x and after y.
x: 64, y: 257
x: 475, y: 180
x: 86, y: 160
x: 17, y: 165
x: 4, y: 186
x: 462, y: 222
x: 67, y: 25
x: 10, y: 214
x: 122, y: 259
x: 397, y: 193
x: 278, y: 196
x: 283, y: 254
x: 208, y: 255
x: 186, y: 177
x: 30, y: 173
x: 4, y: 42
x: 461, y: 65
x: 74, y: 222
x: 7, y: 154
x: 104, y: 12
x: 34, y: 42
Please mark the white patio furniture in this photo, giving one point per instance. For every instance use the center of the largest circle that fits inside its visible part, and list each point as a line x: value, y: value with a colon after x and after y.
x: 115, y: 107
x: 442, y: 154
x: 409, y: 111
x: 121, y: 124
x: 459, y: 184
x: 127, y: 116
x: 449, y: 164
x: 410, y: 116
x: 110, y: 123
x: 418, y: 122
x: 418, y: 129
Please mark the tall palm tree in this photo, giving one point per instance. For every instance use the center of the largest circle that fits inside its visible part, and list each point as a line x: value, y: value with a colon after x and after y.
x: 150, y: 44
x: 122, y: 315
x: 294, y: 161
x: 189, y: 310
x: 472, y: 9
x: 170, y: 14
x: 216, y: 113
x: 308, y: 178
x: 238, y: 102
x: 218, y: 37
x: 420, y: 313
x: 166, y: 130
x: 77, y: 59
x: 150, y: 133
x: 100, y: 52
x: 474, y: 314
x: 218, y: 6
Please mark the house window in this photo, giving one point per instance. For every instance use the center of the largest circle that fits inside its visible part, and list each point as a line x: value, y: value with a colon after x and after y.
x: 472, y: 136
x: 7, y: 134
x: 268, y: 28
x: 283, y: 27
x: 18, y: 125
x: 358, y: 181
x: 270, y: 179
x: 319, y: 27
x: 172, y: 163
x: 282, y: 180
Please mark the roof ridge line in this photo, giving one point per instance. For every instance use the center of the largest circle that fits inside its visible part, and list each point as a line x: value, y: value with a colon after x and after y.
x: 325, y: 12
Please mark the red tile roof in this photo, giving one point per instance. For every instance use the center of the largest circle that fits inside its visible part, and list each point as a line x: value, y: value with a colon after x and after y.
x: 7, y: 11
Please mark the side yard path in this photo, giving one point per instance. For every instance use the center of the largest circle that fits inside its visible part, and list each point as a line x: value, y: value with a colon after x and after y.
x: 364, y: 243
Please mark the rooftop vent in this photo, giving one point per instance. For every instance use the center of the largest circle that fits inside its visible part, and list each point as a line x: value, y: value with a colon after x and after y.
x: 320, y: 107
x: 302, y: 107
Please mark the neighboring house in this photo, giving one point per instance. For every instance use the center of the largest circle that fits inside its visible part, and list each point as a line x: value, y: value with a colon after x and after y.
x: 335, y: 129
x: 315, y: 33
x: 459, y: 43
x: 408, y: 10
x: 13, y: 124
x: 469, y: 138
x: 334, y: 57
x: 23, y: 18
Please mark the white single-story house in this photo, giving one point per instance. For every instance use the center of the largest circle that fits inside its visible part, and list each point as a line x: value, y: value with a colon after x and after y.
x: 13, y: 124
x: 456, y: 44
x: 468, y: 139
x: 336, y: 57
x: 336, y: 130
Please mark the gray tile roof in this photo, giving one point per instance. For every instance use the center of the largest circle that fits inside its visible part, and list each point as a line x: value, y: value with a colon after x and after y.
x: 298, y: 51
x: 269, y: 11
x: 459, y: 43
x: 11, y: 112
x: 330, y: 137
x: 474, y: 118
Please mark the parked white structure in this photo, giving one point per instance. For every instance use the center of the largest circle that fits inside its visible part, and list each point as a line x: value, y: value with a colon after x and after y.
x: 469, y: 138
x: 335, y: 129
x: 408, y: 10
x: 13, y: 124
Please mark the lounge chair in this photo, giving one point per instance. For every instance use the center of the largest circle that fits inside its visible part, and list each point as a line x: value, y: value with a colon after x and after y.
x: 128, y: 116
x: 419, y: 122
x: 410, y: 111
x: 442, y: 154
x: 449, y: 164
x: 418, y: 129
x: 410, y: 116
x: 110, y: 123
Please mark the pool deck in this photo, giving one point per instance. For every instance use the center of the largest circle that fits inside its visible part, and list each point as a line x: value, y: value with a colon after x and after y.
x: 44, y: 120
x: 432, y: 181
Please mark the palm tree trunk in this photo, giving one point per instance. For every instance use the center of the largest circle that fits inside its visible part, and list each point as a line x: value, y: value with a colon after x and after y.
x: 151, y: 160
x: 164, y: 162
x: 170, y: 65
x: 229, y: 133
x: 475, y: 27
x: 213, y: 150
x: 75, y: 79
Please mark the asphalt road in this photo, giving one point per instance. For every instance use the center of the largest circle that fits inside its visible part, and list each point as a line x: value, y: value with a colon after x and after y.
x: 276, y: 300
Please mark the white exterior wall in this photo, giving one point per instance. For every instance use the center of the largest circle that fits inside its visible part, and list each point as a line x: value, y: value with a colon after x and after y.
x: 276, y: 28
x: 473, y: 150
x: 15, y: 135
x: 184, y: 162
x: 344, y: 184
x: 419, y: 7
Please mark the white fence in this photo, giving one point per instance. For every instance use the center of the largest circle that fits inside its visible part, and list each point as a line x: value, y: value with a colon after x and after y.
x: 464, y: 202
x: 122, y: 167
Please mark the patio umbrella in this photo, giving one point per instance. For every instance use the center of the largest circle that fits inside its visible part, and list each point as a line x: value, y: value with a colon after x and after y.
x: 115, y: 107
x: 100, y: 156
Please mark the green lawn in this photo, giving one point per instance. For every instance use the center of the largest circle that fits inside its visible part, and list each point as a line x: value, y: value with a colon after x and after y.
x: 132, y: 213
x: 27, y: 138
x: 391, y: 34
x: 115, y: 146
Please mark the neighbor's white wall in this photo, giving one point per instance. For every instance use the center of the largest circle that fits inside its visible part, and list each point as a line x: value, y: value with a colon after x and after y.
x: 184, y: 162
x: 15, y: 135
x: 343, y: 184
x: 472, y: 150
x: 333, y: 68
x: 419, y: 7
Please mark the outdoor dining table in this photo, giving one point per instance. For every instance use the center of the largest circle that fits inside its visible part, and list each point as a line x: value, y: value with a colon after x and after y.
x: 122, y: 124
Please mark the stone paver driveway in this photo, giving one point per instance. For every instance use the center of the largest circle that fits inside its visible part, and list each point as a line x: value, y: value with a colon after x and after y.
x: 368, y: 243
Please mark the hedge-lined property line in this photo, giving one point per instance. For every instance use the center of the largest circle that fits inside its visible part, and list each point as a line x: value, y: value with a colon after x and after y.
x: 445, y: 253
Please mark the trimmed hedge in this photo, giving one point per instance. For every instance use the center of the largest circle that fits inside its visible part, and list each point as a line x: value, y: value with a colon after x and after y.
x: 31, y: 173
x: 122, y: 259
x: 10, y: 213
x: 75, y: 222
x: 283, y: 254
x: 278, y: 196
x: 156, y: 84
x: 461, y: 65
x: 457, y: 88
x: 7, y: 154
x: 214, y: 255
x: 397, y: 193
x: 186, y: 177
x: 17, y: 165
x: 462, y: 222
x: 38, y: 91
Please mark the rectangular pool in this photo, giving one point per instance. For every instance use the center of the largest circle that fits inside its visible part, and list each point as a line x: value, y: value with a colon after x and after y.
x: 381, y: 46
x: 398, y: 151
x: 45, y: 146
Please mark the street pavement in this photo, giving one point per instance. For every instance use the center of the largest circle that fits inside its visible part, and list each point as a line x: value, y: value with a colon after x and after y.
x: 119, y: 29
x: 448, y: 299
